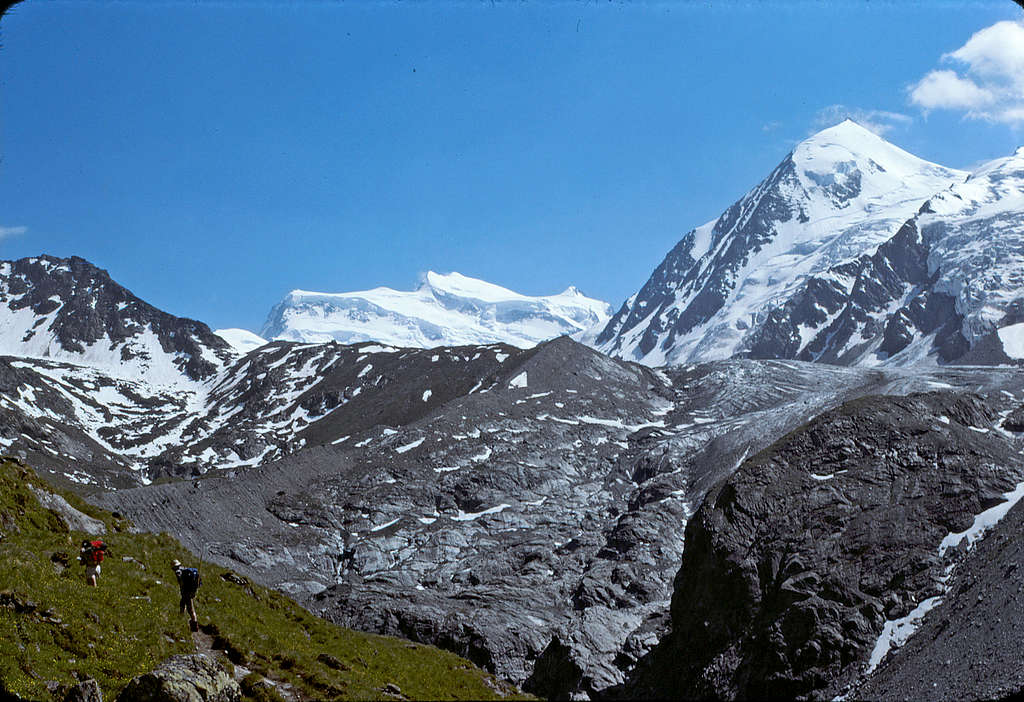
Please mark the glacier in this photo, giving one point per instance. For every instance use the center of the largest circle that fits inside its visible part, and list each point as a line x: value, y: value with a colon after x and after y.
x: 445, y: 310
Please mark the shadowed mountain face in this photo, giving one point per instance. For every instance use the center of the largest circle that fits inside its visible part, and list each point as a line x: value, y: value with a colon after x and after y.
x: 798, y: 565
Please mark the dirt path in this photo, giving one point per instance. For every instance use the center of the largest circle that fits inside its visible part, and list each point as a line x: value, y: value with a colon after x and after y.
x: 203, y: 643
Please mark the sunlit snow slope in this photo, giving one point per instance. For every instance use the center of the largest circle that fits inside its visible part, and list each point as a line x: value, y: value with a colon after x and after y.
x: 446, y: 310
x: 976, y: 236
x: 241, y: 340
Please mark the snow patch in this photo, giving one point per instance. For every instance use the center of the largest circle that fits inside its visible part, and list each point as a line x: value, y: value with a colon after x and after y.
x: 470, y: 516
x: 411, y: 446
x: 241, y: 340
x: 385, y: 526
x: 983, y: 522
x: 896, y: 632
x: 1013, y: 340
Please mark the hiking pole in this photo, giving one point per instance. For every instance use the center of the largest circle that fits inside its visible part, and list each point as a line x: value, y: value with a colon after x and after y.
x: 199, y: 574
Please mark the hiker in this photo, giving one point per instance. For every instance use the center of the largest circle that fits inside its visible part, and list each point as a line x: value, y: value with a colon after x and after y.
x: 91, y: 555
x: 188, y: 583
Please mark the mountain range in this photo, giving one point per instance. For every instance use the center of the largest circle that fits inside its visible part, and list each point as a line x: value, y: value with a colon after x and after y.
x: 851, y: 251
x: 797, y: 445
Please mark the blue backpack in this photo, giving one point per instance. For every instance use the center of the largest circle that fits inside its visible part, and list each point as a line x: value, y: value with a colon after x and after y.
x: 190, y: 581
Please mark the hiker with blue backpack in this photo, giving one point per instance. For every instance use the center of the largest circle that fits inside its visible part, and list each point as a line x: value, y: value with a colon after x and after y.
x: 188, y: 584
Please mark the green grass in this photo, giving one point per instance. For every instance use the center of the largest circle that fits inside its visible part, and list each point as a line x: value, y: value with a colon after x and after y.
x: 54, y: 627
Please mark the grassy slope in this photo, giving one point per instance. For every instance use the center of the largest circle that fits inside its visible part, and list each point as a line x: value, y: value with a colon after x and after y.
x: 52, y: 626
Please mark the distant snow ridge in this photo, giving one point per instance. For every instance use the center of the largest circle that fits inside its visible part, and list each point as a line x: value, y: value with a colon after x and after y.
x: 837, y: 197
x: 446, y: 310
x: 241, y: 340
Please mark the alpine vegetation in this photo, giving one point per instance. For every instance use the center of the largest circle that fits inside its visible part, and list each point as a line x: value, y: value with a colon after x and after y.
x: 60, y: 638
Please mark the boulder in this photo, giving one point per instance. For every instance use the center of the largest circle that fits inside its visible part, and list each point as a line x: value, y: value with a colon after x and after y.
x: 87, y: 690
x: 195, y: 678
x: 75, y: 520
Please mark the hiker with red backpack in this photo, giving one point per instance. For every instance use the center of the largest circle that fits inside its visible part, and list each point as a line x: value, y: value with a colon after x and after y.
x: 188, y: 585
x: 91, y: 555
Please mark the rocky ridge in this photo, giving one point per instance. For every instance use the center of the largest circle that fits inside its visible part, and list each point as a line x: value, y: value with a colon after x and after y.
x: 87, y: 427
x: 70, y: 310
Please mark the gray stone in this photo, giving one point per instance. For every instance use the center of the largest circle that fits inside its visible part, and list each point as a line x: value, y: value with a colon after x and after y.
x: 75, y: 520
x: 195, y: 678
x: 85, y: 691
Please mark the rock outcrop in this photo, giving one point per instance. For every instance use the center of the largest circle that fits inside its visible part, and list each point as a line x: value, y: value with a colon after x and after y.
x: 85, y: 691
x: 195, y: 678
x: 74, y: 519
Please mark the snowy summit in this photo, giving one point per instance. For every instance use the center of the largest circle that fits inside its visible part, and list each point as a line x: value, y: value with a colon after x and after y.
x: 446, y: 310
x: 837, y: 197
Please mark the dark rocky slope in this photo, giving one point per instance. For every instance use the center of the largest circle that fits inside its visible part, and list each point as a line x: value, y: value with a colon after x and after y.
x: 969, y: 647
x: 793, y: 565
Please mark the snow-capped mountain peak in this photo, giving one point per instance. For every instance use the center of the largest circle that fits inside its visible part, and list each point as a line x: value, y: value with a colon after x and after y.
x: 839, y: 195
x: 445, y: 310
x: 70, y: 310
x: 975, y: 237
x: 852, y: 166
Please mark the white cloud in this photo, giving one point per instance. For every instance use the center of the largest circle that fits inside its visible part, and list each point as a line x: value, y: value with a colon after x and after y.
x: 1012, y: 115
x: 880, y: 122
x: 986, y: 80
x: 11, y: 231
x: 996, y: 51
x: 947, y: 90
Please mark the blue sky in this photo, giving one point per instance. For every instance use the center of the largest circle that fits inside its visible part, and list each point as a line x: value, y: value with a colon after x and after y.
x: 215, y: 155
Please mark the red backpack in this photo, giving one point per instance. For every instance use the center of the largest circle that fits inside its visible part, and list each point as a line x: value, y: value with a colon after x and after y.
x: 97, y: 549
